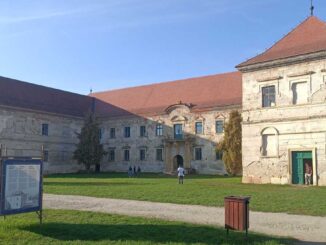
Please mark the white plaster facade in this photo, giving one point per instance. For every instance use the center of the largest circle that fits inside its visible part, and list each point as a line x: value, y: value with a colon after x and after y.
x: 292, y: 127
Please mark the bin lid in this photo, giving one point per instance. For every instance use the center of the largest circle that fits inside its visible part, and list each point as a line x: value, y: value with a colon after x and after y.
x: 240, y: 198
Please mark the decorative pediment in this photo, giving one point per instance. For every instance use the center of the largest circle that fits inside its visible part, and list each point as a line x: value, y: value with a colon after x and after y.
x: 160, y: 121
x: 179, y: 105
x: 220, y: 116
x: 200, y: 118
x: 179, y: 118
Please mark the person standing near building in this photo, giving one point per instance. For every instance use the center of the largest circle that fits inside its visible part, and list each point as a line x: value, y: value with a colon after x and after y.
x: 307, y: 173
x: 181, y: 174
x: 130, y: 171
x: 135, y: 171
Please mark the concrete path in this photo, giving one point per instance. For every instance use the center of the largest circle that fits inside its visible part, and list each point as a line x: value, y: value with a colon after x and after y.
x: 305, y: 228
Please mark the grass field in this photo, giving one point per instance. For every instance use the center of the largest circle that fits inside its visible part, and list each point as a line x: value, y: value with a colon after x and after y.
x: 73, y: 227
x: 202, y: 190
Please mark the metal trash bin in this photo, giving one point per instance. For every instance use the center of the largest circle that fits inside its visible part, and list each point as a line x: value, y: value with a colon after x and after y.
x: 236, y: 213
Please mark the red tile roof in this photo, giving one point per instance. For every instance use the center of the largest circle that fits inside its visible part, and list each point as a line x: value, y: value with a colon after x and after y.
x: 203, y: 92
x: 308, y: 37
x: 25, y: 95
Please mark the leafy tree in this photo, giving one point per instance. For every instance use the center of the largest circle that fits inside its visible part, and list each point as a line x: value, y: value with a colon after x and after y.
x: 89, y: 149
x: 231, y: 144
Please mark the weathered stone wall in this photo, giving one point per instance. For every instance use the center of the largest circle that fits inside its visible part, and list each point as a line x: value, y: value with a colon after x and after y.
x: 21, y: 135
x: 299, y: 127
x: 176, y: 114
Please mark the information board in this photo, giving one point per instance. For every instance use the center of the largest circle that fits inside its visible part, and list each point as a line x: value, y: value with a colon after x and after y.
x: 21, y: 186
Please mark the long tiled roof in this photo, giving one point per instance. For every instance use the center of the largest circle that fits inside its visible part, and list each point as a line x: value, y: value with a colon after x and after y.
x: 308, y: 37
x: 30, y: 96
x: 202, y: 92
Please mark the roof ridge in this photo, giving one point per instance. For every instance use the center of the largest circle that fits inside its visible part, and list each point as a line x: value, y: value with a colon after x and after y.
x: 165, y: 82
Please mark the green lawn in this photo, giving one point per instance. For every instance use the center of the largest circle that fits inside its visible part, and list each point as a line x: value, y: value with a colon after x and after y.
x: 203, y: 190
x: 74, y: 227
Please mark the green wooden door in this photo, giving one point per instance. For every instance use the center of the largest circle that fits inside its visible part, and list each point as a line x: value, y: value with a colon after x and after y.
x: 298, y: 167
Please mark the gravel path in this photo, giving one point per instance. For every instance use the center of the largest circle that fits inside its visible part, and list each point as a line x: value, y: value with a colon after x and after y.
x: 304, y: 228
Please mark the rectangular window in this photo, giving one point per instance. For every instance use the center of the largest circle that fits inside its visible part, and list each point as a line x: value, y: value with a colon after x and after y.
x: 142, y: 153
x: 100, y: 133
x: 111, y: 155
x: 199, y: 128
x: 142, y: 131
x: 268, y: 96
x: 159, y: 129
x: 219, y: 126
x: 126, y: 155
x: 159, y: 154
x: 219, y: 155
x: 45, y: 156
x: 300, y: 93
x: 178, y: 132
x: 198, y: 154
x: 45, y: 129
x: 127, y: 132
x: 112, y: 133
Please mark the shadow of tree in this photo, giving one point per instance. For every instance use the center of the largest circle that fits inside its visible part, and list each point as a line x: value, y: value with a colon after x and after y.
x: 67, y: 183
x: 113, y: 175
x: 184, y: 234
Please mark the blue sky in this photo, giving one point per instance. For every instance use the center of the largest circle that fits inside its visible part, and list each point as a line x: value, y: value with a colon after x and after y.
x: 76, y: 45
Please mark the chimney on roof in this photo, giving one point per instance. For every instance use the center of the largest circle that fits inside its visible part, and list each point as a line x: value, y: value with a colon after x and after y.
x: 311, y: 8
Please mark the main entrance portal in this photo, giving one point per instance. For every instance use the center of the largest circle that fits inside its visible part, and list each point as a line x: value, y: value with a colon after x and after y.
x: 177, y: 162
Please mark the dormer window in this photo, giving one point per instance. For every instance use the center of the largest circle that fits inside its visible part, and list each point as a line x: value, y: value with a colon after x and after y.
x: 268, y: 96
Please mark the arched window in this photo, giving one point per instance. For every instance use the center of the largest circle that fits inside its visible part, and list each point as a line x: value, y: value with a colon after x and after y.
x: 269, y: 147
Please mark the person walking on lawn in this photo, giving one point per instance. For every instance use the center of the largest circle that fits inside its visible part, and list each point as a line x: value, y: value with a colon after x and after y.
x: 181, y: 174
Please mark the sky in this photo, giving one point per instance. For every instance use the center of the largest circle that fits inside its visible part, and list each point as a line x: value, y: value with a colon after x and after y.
x: 78, y: 45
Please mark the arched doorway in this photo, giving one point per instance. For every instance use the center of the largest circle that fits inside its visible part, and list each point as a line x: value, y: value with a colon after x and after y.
x: 177, y: 161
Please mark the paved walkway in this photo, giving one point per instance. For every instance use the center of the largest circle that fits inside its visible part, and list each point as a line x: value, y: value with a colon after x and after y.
x: 304, y: 228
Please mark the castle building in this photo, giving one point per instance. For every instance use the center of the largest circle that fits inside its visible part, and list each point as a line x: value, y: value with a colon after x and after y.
x: 281, y: 94
x: 284, y: 108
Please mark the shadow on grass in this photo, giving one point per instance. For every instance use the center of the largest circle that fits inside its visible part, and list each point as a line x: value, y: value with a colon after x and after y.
x: 147, y: 233
x: 60, y: 183
x: 112, y: 175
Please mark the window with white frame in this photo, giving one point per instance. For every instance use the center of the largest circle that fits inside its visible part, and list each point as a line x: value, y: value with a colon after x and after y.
x: 142, y: 154
x: 142, y: 131
x: 159, y: 129
x: 219, y: 126
x: 126, y: 155
x: 268, y: 96
x: 199, y: 128
x: 45, y: 129
x: 112, y: 133
x: 198, y: 153
x: 159, y: 154
x: 111, y: 155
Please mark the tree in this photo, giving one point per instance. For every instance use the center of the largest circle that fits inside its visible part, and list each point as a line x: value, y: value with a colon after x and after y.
x: 231, y: 144
x: 89, y: 149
